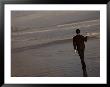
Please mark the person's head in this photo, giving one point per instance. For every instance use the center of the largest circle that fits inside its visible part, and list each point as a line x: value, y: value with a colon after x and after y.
x: 77, y: 31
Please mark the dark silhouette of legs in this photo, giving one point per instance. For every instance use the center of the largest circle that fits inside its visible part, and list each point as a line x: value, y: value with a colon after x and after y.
x: 81, y: 54
x: 83, y: 67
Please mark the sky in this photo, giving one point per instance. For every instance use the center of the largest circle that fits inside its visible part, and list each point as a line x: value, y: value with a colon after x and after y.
x: 41, y: 19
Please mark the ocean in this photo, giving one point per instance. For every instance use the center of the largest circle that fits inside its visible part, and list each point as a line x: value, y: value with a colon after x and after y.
x: 48, y: 51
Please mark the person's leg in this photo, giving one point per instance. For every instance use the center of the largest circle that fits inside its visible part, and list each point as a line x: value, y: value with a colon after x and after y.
x: 81, y: 54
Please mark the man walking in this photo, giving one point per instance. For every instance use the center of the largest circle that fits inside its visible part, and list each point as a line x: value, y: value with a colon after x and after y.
x: 79, y: 46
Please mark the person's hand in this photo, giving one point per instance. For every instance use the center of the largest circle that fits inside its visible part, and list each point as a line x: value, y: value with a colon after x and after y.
x: 75, y: 51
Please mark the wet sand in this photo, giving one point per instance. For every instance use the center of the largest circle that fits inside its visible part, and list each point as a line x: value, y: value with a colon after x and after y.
x: 56, y: 60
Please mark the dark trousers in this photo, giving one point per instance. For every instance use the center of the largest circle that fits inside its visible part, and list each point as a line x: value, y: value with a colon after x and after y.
x: 81, y: 54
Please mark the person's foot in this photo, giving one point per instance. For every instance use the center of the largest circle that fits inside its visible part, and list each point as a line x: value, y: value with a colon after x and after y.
x: 85, y: 73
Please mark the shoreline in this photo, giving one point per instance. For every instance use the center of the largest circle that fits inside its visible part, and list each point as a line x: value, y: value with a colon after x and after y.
x: 24, y: 48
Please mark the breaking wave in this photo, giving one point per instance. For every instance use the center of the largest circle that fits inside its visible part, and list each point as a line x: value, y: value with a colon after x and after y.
x: 54, y: 35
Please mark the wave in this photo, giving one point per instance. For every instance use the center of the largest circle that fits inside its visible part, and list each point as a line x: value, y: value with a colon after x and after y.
x: 62, y: 27
x: 94, y: 35
x: 40, y: 45
x: 24, y: 40
x: 61, y: 41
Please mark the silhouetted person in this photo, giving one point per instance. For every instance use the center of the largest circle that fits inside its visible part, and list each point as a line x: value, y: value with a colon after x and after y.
x: 79, y: 46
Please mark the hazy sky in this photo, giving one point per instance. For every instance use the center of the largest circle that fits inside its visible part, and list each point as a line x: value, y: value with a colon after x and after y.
x: 50, y: 18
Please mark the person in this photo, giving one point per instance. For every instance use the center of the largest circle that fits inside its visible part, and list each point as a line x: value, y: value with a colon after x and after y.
x: 79, y: 46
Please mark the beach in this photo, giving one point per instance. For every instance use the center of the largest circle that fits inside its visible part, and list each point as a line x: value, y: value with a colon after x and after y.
x: 56, y: 60
x: 48, y: 51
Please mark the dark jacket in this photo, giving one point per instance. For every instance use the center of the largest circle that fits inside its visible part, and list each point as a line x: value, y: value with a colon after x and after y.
x: 78, y: 42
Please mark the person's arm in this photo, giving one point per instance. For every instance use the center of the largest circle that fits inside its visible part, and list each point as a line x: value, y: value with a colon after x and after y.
x: 74, y: 43
x: 85, y: 38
